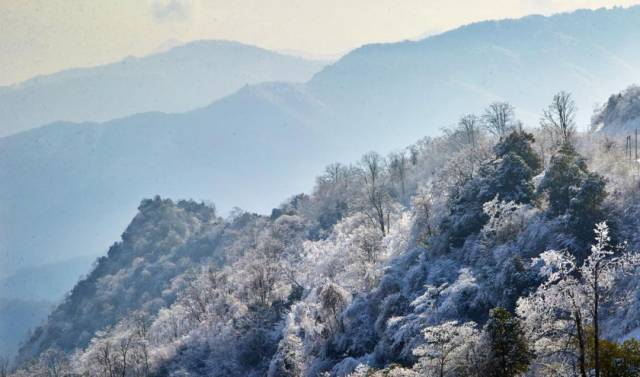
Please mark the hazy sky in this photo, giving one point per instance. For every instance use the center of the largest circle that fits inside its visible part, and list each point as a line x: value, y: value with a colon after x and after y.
x: 44, y: 36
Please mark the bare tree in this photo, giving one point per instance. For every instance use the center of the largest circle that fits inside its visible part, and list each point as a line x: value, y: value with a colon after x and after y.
x: 558, y: 120
x: 334, y: 173
x: 375, y: 190
x: 465, y: 134
x: 261, y: 283
x: 499, y: 118
x: 469, y: 125
x: 125, y: 344
x: 265, y: 271
x: 399, y: 166
x: 423, y: 203
x: 105, y: 358
x: 413, y: 152
x: 55, y: 362
x: 140, y: 358
x: 195, y: 299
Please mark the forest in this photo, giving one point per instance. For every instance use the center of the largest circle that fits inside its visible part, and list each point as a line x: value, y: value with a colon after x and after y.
x: 496, y: 249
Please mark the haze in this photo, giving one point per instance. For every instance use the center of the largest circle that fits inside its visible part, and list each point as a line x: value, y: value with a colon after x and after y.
x: 40, y: 37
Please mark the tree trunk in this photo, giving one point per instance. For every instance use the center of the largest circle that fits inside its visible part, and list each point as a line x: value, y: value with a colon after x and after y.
x: 581, y: 345
x: 596, y: 330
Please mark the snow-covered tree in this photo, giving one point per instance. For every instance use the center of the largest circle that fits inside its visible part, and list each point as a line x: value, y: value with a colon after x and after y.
x: 446, y: 348
x: 506, y: 220
x: 558, y: 120
x: 377, y: 204
x: 571, y: 299
x: 575, y: 191
x: 499, y: 118
x: 507, y: 175
x: 289, y: 359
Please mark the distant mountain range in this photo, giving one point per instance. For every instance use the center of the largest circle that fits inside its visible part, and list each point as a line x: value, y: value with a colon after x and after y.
x: 409, y: 89
x: 69, y: 188
x: 67, y: 213
x: 179, y: 79
x: 30, y: 293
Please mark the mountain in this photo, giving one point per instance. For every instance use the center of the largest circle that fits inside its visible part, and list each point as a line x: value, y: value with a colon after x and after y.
x: 29, y: 294
x: 17, y: 317
x: 82, y: 181
x: 45, y: 282
x: 69, y: 188
x: 180, y: 79
x: 400, y: 91
x: 620, y: 115
x: 376, y: 97
x: 423, y: 277
x: 164, y: 241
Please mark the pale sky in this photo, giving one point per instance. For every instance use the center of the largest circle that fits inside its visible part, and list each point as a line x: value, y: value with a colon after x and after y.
x: 45, y: 36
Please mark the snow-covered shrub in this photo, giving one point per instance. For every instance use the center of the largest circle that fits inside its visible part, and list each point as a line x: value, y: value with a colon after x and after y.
x: 506, y: 220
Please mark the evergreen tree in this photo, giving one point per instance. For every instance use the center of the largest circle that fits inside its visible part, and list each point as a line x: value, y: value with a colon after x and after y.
x: 511, y: 180
x: 508, y: 176
x: 519, y: 142
x: 508, y: 353
x: 585, y: 208
x: 574, y: 191
x: 566, y: 171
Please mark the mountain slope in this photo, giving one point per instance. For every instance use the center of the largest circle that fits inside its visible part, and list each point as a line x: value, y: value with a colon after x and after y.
x: 17, y: 316
x: 319, y: 287
x: 92, y: 175
x: 30, y: 293
x: 377, y: 97
x: 164, y: 240
x: 620, y: 116
x: 71, y: 188
x: 181, y: 79
x: 68, y: 189
x: 419, y: 87
x: 45, y: 282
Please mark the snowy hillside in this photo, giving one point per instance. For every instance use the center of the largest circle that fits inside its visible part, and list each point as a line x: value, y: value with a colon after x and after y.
x: 620, y: 115
x: 481, y: 252
x: 377, y: 252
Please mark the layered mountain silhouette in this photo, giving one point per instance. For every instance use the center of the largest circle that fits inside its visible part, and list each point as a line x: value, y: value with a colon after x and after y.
x: 180, y: 79
x: 69, y: 188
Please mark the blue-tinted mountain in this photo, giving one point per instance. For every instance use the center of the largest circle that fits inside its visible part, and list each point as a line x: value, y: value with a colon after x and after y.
x: 68, y: 189
x: 180, y: 79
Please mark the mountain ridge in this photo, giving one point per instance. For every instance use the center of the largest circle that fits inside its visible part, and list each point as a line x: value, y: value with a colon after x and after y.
x: 201, y: 71
x: 72, y: 187
x: 364, y: 99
